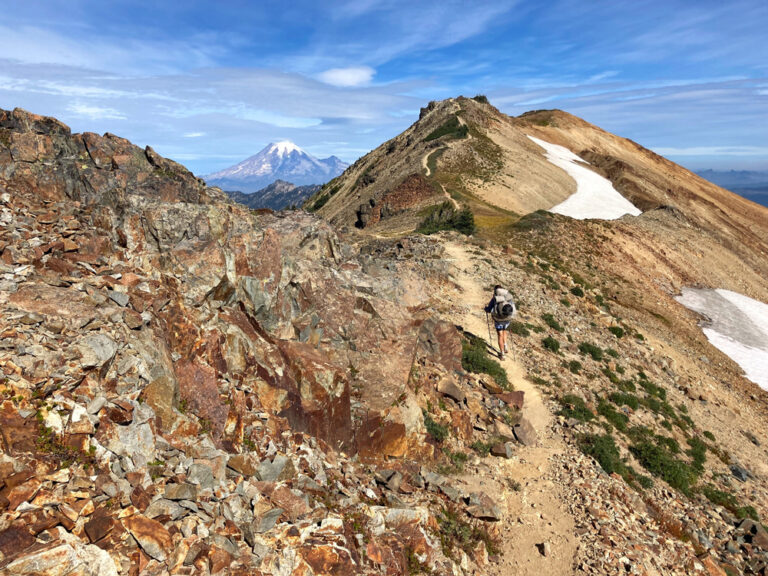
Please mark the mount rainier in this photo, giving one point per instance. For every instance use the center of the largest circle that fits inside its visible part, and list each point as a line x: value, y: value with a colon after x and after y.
x: 279, y: 160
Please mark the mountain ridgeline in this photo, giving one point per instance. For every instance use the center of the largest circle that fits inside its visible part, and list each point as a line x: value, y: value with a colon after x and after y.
x: 279, y: 195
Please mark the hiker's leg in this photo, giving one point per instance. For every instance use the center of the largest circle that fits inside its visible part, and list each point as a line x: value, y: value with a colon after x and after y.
x: 500, y: 334
x: 503, y: 340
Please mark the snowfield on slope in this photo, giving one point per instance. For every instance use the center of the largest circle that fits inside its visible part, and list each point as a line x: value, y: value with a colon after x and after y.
x: 595, y: 196
x: 736, y: 325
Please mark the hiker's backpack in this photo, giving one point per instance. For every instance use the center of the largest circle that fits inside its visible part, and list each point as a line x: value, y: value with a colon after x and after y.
x: 504, y: 309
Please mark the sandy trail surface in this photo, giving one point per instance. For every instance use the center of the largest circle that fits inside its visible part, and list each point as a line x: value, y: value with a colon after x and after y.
x: 534, y: 511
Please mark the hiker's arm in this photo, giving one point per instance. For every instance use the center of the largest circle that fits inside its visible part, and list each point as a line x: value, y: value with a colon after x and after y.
x: 491, y: 304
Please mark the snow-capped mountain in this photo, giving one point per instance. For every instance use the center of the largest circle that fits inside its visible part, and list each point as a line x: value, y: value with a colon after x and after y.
x: 279, y: 160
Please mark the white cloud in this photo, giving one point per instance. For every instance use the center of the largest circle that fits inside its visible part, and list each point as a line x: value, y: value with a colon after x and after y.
x: 194, y: 134
x: 348, y: 77
x: 95, y: 112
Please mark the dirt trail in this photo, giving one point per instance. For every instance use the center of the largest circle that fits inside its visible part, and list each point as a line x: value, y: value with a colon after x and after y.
x: 533, y: 507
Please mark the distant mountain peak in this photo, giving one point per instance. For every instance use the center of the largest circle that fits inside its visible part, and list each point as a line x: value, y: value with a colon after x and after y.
x: 284, y: 147
x: 281, y: 160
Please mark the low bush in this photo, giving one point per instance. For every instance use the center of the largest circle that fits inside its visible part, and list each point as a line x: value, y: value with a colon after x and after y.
x: 446, y: 217
x: 617, y: 419
x: 451, y: 128
x: 518, y: 328
x: 623, y: 399
x: 551, y: 344
x: 475, y: 359
x: 577, y: 291
x: 574, y: 366
x: 617, y: 331
x: 319, y: 203
x: 729, y: 502
x: 653, y: 389
x: 454, y: 531
x: 438, y: 431
x: 594, y: 351
x: 574, y: 407
x: 549, y: 319
x: 604, y: 450
x: 659, y: 461
x: 698, y: 453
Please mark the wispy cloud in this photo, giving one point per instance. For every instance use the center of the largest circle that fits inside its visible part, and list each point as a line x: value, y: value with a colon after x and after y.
x: 95, y: 112
x: 346, y: 77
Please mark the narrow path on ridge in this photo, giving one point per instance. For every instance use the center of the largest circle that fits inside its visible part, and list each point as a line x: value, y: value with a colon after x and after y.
x: 532, y: 504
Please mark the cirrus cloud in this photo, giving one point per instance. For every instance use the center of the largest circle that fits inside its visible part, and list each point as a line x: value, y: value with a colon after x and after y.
x: 348, y: 77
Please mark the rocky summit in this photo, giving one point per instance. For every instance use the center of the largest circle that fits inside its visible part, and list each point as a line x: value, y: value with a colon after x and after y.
x: 190, y: 387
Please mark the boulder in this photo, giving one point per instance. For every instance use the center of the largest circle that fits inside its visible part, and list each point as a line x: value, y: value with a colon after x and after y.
x: 525, y: 433
x: 152, y: 536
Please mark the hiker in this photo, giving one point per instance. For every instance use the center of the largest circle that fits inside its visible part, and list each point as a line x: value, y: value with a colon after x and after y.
x: 502, y: 310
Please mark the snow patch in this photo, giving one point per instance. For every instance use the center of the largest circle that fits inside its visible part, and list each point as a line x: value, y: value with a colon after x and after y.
x: 736, y: 325
x: 595, y: 196
x: 284, y: 147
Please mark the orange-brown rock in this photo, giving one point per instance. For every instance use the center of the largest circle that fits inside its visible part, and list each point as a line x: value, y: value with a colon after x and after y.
x: 152, y: 536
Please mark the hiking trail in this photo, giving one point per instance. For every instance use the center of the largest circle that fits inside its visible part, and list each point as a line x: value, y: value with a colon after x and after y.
x: 533, y: 507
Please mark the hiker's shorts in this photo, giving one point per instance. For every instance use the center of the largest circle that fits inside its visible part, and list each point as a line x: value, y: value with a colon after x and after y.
x: 501, y: 325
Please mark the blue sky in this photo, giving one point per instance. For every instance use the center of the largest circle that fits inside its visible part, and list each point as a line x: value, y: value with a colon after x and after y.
x: 210, y: 83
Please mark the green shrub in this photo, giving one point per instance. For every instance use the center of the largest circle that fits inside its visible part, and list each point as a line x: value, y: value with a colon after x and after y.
x: 455, y: 462
x: 625, y: 400
x: 454, y: 531
x: 577, y: 291
x: 659, y: 461
x: 446, y: 217
x: 319, y: 203
x: 604, y: 450
x: 480, y: 98
x: 452, y: 128
x: 611, y: 375
x: 627, y: 386
x: 438, y: 431
x: 551, y: 322
x: 618, y: 419
x: 698, y: 453
x: 594, y: 351
x: 475, y: 359
x: 729, y: 502
x: 709, y: 435
x: 574, y: 366
x: 551, y: 344
x: 617, y: 331
x: 612, y: 353
x: 482, y: 448
x: 518, y: 328
x: 574, y: 407
x: 653, y: 389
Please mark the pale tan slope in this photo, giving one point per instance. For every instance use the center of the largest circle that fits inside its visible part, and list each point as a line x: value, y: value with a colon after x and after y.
x: 650, y: 180
x: 527, y: 181
x: 495, y: 163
